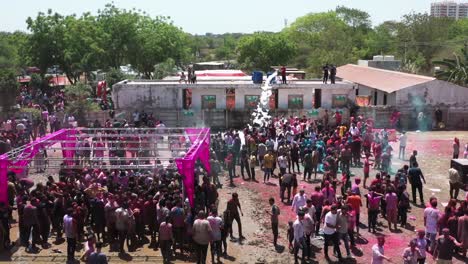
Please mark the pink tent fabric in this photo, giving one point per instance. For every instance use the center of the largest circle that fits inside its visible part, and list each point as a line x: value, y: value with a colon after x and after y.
x: 30, y: 150
x: 200, y: 149
x: 193, y: 133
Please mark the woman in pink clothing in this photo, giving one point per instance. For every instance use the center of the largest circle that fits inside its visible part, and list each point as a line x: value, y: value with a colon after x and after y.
x: 391, y: 207
x: 373, y: 205
x: 329, y: 193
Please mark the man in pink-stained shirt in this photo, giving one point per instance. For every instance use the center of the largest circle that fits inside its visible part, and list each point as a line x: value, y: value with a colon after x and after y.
x: 329, y: 193
x: 317, y: 199
x: 373, y: 205
x: 165, y: 239
x: 391, y: 207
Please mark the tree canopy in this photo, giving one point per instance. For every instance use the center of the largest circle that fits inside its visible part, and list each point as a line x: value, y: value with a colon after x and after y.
x: 454, y: 70
x: 321, y: 38
x: 262, y: 50
x: 157, y: 40
x: 114, y: 37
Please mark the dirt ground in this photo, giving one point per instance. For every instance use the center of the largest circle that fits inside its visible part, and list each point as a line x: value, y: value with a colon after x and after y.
x: 435, y: 151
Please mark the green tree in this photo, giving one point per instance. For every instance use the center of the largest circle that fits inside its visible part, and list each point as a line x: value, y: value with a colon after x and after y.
x: 360, y: 26
x: 454, y: 70
x: 46, y: 42
x: 355, y: 18
x: 82, y: 47
x: 8, y: 88
x: 12, y: 47
x: 196, y: 45
x: 114, y: 76
x: 9, y: 62
x: 321, y: 38
x: 119, y: 29
x: 20, y: 40
x: 37, y: 82
x: 79, y: 102
x: 263, y: 50
x: 157, y: 40
x: 383, y: 39
x: 459, y: 29
x: 228, y: 49
x: 165, y: 69
x: 8, y: 52
x: 423, y: 35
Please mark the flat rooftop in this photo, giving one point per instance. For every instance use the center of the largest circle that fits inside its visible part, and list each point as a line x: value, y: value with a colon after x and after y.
x: 227, y: 82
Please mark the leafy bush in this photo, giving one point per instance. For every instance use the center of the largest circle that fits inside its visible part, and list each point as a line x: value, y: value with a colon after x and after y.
x: 79, y: 102
x: 33, y: 112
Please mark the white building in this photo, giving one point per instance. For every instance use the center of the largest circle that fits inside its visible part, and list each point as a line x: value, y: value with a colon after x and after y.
x: 449, y: 9
x: 384, y: 87
x: 228, y: 94
x: 222, y: 99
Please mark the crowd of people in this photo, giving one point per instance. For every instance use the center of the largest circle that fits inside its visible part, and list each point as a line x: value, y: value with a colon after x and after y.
x: 18, y: 130
x: 333, y: 210
x: 130, y: 208
x: 122, y: 209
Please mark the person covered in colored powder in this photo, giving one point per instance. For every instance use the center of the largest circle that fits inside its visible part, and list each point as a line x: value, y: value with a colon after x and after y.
x: 378, y: 252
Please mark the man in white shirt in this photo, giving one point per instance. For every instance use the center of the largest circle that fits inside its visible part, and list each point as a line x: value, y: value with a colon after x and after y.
x: 421, y: 243
x: 299, y: 240
x: 283, y: 164
x: 70, y: 230
x: 330, y: 234
x: 403, y: 140
x: 454, y: 182
x: 378, y: 251
x: 216, y: 223
x: 354, y: 130
x: 309, y: 225
x: 123, y: 215
x: 299, y: 201
x: 311, y: 210
x: 431, y: 218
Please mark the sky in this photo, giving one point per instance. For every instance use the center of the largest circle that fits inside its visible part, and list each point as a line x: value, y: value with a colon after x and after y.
x: 213, y: 16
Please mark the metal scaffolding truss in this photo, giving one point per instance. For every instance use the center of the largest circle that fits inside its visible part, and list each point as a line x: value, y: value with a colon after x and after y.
x: 110, y: 148
x: 125, y: 148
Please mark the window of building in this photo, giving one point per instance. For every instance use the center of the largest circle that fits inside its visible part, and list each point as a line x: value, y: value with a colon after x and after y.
x: 251, y: 101
x: 295, y: 101
x: 375, y: 98
x: 339, y: 100
x: 385, y: 99
x: 208, y: 101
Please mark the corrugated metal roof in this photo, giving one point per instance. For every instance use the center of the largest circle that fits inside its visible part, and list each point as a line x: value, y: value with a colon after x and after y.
x: 384, y: 80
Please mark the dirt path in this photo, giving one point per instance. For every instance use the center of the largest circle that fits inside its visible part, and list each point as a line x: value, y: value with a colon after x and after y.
x: 258, y: 245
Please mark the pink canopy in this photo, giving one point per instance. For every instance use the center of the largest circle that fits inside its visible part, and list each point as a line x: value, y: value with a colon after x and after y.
x: 200, y: 149
x: 27, y: 153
